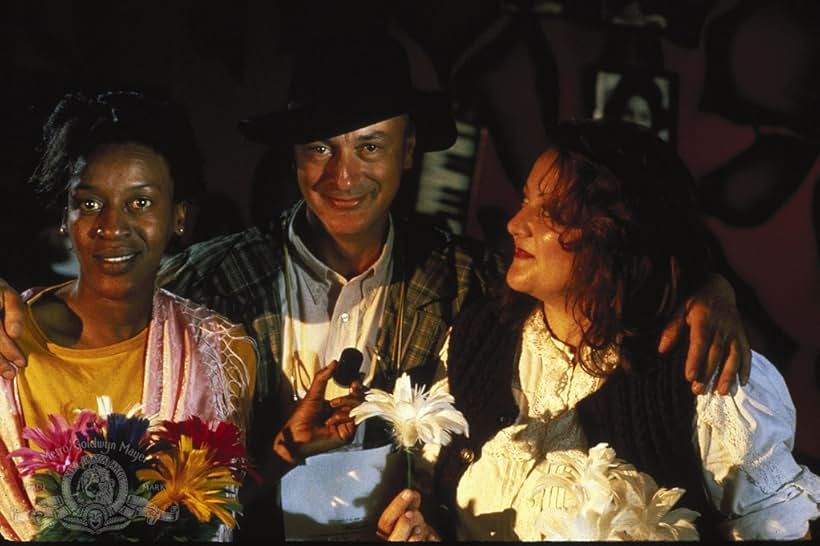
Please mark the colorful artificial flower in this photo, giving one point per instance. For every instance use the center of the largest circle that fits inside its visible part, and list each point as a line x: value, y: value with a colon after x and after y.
x: 222, y: 439
x: 127, y: 430
x: 416, y: 415
x: 189, y: 476
x: 59, y: 443
x: 179, y: 475
x: 125, y: 440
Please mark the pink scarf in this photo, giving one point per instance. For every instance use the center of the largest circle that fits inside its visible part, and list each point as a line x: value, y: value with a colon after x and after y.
x: 187, y: 361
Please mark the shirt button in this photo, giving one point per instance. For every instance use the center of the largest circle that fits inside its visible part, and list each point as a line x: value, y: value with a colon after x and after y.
x: 467, y: 455
x: 344, y: 317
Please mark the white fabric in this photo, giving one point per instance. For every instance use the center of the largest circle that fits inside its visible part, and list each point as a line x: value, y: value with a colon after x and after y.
x: 745, y: 441
x: 330, y: 312
x: 750, y: 430
x: 339, y: 495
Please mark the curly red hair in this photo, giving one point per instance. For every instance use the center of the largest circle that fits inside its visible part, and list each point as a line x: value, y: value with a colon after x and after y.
x: 626, y: 203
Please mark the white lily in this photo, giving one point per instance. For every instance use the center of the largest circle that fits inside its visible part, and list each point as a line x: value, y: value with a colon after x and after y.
x: 416, y: 415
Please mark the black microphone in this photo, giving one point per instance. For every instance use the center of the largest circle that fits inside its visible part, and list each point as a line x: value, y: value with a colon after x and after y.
x: 348, y: 369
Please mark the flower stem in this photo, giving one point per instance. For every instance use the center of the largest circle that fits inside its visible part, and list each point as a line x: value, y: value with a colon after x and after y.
x: 409, y: 468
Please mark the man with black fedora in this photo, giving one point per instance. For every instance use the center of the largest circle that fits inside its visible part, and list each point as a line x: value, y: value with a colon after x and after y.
x: 338, y: 270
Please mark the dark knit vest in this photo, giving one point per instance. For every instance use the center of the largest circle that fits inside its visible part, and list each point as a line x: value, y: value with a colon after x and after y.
x: 647, y: 418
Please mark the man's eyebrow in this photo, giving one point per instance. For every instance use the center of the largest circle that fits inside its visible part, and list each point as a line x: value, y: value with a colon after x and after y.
x: 322, y: 141
x: 374, y: 135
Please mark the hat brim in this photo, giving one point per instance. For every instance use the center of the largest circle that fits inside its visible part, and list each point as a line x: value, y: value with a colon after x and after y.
x: 430, y: 112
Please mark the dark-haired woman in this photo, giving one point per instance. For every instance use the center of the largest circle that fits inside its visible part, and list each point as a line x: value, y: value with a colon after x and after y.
x: 123, y: 165
x: 608, y: 242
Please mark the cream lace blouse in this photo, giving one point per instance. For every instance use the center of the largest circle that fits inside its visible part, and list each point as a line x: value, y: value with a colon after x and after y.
x: 752, y: 475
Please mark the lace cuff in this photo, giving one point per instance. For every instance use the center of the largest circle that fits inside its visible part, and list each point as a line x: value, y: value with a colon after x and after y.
x: 787, y: 520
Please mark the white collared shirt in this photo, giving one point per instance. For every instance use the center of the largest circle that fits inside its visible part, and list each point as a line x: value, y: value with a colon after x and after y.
x: 323, y: 314
x: 329, y: 313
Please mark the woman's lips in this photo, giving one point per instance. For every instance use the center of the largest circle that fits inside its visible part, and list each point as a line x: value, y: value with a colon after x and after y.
x: 117, y: 264
x: 118, y: 259
x: 522, y: 253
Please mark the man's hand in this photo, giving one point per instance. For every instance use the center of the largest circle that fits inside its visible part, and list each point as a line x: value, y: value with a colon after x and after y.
x: 402, y: 520
x: 11, y: 313
x: 716, y: 337
x: 316, y: 425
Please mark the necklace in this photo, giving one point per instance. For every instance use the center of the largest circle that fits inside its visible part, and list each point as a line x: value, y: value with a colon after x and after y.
x: 568, y: 359
x: 564, y: 388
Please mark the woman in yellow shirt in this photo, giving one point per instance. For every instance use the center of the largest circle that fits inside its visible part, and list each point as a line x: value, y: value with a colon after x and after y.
x: 124, y: 166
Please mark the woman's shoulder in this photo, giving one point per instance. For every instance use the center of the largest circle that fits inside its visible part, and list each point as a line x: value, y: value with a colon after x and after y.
x: 223, y: 344
x: 205, y: 322
x: 48, y: 317
x: 36, y: 293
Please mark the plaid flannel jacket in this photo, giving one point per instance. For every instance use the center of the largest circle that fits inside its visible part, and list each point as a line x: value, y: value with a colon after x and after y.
x: 236, y: 275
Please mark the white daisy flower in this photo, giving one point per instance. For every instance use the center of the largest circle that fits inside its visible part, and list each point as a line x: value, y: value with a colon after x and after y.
x: 416, y: 415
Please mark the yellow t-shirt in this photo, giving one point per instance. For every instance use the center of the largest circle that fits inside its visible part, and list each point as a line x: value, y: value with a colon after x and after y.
x: 57, y: 380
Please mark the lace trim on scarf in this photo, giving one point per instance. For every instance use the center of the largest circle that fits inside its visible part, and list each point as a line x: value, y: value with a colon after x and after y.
x: 214, y: 336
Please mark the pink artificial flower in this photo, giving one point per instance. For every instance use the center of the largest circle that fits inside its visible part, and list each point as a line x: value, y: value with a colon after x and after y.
x: 60, y: 444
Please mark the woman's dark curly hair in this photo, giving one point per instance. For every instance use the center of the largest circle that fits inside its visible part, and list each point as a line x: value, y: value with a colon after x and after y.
x: 81, y: 123
x: 640, y: 248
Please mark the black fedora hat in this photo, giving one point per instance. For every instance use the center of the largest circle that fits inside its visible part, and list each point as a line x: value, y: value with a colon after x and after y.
x: 338, y: 85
